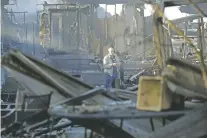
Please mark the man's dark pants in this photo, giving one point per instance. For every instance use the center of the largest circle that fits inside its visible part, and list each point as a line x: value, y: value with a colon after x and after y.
x: 110, y: 80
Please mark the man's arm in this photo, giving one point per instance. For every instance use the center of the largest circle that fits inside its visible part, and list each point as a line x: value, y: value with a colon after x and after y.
x: 106, y: 64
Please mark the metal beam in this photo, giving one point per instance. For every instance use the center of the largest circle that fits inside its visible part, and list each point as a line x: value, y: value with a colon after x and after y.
x: 168, y: 3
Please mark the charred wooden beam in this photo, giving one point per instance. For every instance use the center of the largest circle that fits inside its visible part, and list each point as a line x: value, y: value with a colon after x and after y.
x: 116, y: 114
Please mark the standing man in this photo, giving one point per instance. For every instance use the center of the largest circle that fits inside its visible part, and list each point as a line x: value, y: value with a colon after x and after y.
x: 111, y: 64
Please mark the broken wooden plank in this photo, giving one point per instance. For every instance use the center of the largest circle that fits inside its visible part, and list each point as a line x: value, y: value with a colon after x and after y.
x: 118, y: 112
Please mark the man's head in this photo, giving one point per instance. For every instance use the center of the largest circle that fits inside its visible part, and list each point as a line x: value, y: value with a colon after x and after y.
x: 111, y: 51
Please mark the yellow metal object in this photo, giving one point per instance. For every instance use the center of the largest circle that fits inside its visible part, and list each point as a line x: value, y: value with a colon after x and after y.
x: 153, y: 94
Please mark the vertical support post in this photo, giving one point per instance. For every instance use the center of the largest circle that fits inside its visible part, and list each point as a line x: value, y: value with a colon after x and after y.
x: 91, y: 134
x: 125, y: 25
x: 11, y: 15
x: 50, y: 28
x: 24, y: 16
x: 163, y: 121
x: 115, y: 44
x: 63, y: 31
x: 200, y: 42
x: 78, y: 28
x: 38, y: 24
x: 33, y: 37
x: 102, y: 38
x: 152, y: 124
x: 143, y: 32
x: 89, y: 32
x: 198, y: 35
x: 26, y: 35
x: 106, y: 23
x: 203, y: 36
x: 92, y: 23
x: 85, y: 133
x: 185, y: 43
x: 90, y: 27
x: 2, y: 26
x: 121, y: 123
x: 139, y: 35
x: 170, y: 36
x: 60, y: 31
